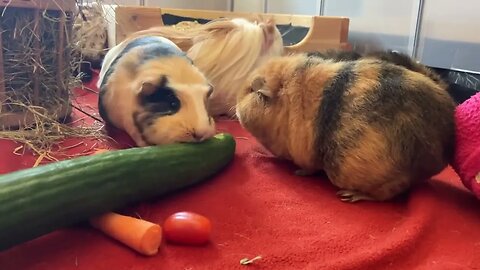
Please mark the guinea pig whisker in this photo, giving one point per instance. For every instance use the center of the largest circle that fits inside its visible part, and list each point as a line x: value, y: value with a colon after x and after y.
x: 232, y: 109
x: 233, y: 117
x: 232, y: 114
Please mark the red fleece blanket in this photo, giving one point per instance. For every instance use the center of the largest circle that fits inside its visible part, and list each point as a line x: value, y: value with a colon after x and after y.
x: 258, y: 207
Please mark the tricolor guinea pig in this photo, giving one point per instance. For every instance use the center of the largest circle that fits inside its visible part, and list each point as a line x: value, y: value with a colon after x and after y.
x: 390, y: 56
x: 459, y: 93
x: 226, y: 50
x: 151, y: 89
x: 375, y: 128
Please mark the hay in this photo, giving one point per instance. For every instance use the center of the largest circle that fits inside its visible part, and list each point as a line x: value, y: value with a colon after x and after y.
x: 43, y: 136
x: 186, y: 25
x: 39, y: 59
x: 31, y: 50
x: 92, y: 24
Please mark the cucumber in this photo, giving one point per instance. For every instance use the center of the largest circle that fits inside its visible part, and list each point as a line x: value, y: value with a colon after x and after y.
x: 37, y: 201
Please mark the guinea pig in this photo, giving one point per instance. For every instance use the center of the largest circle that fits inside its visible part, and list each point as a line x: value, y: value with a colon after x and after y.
x: 391, y: 56
x: 375, y: 128
x: 230, y: 55
x: 226, y: 50
x: 459, y: 93
x: 151, y: 89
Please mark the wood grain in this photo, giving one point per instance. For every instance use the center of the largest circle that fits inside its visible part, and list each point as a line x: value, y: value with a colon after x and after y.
x: 325, y: 32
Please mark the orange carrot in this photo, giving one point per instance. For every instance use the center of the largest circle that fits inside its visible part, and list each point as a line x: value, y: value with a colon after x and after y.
x: 143, y: 236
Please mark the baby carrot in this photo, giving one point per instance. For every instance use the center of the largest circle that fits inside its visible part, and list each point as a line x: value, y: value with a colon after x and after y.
x: 143, y: 236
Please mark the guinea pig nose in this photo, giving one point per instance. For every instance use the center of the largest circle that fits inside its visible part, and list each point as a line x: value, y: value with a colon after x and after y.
x: 196, y: 136
x: 200, y: 135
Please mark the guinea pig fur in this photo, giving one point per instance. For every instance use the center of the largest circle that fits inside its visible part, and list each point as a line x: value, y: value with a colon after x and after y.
x: 151, y: 89
x: 226, y: 50
x: 393, y: 57
x: 373, y: 127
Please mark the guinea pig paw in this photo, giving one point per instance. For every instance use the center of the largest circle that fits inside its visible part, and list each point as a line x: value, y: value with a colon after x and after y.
x: 303, y: 172
x: 353, y: 196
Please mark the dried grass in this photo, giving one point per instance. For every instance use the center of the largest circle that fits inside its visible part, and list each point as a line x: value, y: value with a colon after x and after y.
x: 185, y: 25
x: 38, y: 78
x: 30, y: 53
x: 44, y: 135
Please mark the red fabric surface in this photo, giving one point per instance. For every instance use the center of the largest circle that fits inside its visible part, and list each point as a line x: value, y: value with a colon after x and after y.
x: 259, y: 207
x: 467, y: 158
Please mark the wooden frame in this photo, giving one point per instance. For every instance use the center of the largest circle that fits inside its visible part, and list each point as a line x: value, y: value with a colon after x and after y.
x: 324, y: 32
x: 18, y: 119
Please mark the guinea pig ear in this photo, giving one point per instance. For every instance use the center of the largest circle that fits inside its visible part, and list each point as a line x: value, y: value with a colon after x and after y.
x: 268, y: 27
x: 148, y: 88
x: 258, y: 85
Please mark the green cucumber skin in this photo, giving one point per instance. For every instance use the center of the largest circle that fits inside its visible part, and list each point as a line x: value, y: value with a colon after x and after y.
x: 37, y: 201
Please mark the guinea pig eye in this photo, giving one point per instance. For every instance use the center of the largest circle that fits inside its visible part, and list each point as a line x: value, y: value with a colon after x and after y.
x: 174, y: 105
x: 163, y: 101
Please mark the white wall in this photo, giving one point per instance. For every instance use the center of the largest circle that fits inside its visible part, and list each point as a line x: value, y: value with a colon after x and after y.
x: 444, y: 19
x: 378, y: 23
x: 446, y: 36
x: 450, y: 34
x: 190, y: 4
x: 121, y: 2
x: 303, y: 7
x: 249, y: 5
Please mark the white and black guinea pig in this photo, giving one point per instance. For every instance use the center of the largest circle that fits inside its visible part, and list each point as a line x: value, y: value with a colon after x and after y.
x: 152, y: 90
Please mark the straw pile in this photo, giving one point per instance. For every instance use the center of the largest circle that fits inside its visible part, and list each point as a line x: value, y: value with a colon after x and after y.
x: 92, y: 24
x: 30, y: 56
x: 38, y: 59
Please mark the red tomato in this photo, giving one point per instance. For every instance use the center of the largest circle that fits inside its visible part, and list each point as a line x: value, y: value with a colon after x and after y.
x: 187, y: 228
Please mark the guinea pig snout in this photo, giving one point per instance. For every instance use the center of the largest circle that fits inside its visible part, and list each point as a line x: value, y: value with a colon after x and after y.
x: 201, y: 134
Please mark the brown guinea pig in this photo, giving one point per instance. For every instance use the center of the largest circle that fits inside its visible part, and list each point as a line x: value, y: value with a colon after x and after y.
x: 391, y: 56
x: 373, y: 127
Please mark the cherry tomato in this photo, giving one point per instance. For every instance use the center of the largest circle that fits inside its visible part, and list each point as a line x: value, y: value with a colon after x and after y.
x: 187, y: 228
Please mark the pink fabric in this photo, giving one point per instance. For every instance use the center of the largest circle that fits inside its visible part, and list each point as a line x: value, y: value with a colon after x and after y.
x: 467, y: 156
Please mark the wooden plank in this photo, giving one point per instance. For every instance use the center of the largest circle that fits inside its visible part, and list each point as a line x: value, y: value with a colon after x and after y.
x: 328, y: 28
x: 65, y: 5
x: 296, y: 20
x: 133, y: 19
x: 324, y: 32
x: 323, y: 35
